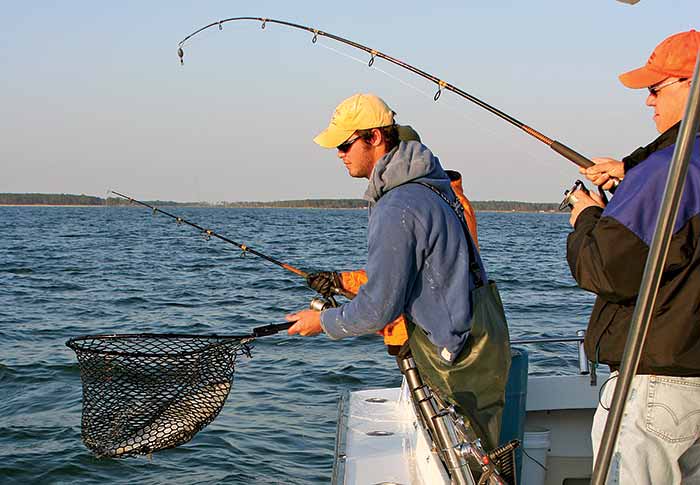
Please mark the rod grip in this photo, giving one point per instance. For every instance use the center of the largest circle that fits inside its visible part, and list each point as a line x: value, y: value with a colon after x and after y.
x: 572, y: 155
x: 579, y: 160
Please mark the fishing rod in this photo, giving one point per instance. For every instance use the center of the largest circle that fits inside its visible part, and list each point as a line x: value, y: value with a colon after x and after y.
x: 557, y: 146
x: 246, y: 249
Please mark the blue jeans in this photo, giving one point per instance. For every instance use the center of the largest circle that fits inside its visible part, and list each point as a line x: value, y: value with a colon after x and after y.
x: 659, y: 438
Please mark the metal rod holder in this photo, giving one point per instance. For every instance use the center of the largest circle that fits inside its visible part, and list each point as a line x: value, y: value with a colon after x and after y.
x: 583, y: 366
x: 440, y: 425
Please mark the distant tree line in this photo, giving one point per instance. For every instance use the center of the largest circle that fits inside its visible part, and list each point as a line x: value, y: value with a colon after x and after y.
x: 114, y: 201
x: 49, y: 199
x: 304, y: 203
x: 71, y: 199
x: 513, y: 205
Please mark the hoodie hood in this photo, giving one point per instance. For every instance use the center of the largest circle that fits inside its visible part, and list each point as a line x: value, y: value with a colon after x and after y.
x: 410, y: 161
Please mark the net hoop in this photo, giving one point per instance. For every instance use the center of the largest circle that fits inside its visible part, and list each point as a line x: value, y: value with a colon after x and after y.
x: 145, y: 392
x: 87, y: 343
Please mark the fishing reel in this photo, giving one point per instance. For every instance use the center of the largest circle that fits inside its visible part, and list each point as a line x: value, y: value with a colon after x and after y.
x: 569, y: 197
x: 320, y: 304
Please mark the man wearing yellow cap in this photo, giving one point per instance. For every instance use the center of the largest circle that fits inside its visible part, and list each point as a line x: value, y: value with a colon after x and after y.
x: 659, y: 439
x: 395, y: 333
x: 422, y: 264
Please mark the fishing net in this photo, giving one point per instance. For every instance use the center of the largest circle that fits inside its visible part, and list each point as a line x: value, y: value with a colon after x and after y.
x: 147, y: 392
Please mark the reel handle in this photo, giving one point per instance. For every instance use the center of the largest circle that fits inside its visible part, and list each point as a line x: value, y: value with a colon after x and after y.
x: 578, y: 185
x: 347, y: 294
x: 568, y: 195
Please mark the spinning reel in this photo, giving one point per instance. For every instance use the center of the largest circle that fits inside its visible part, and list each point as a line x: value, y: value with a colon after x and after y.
x: 569, y: 197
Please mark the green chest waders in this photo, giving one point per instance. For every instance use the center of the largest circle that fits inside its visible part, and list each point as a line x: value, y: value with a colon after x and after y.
x: 475, y: 382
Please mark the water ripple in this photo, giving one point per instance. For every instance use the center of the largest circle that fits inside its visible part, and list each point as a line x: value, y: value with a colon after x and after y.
x: 122, y: 270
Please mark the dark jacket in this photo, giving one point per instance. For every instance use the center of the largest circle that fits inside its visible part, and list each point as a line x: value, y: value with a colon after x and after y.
x: 607, y: 252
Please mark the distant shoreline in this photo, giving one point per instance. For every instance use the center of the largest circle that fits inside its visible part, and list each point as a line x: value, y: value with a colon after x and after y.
x: 265, y: 207
x: 53, y: 205
x: 71, y: 200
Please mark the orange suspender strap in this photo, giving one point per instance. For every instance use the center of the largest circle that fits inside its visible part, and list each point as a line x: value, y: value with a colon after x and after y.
x: 469, y: 215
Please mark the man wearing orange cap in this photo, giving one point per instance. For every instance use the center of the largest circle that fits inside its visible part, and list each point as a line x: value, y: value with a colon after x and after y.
x: 669, y: 66
x: 422, y: 264
x: 659, y: 438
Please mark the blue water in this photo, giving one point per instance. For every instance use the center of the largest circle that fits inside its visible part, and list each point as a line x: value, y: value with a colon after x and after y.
x: 66, y: 272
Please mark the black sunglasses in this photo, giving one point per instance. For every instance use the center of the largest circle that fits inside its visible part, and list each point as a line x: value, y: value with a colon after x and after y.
x: 345, y: 146
x: 654, y: 90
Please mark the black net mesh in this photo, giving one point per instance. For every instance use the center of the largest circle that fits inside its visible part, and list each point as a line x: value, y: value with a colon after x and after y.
x: 143, y: 393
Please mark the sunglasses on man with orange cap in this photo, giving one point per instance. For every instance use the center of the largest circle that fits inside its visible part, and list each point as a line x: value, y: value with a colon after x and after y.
x: 654, y: 90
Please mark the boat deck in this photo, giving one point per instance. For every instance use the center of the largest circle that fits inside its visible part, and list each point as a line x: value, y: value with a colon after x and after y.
x: 380, y: 440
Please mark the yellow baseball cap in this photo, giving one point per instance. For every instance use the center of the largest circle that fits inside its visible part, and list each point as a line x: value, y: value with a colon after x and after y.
x: 358, y: 112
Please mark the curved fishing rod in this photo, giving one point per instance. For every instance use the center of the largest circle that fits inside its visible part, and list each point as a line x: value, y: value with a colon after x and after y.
x: 243, y: 247
x: 558, y: 147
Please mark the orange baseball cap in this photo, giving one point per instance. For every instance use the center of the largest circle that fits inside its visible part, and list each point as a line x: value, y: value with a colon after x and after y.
x: 675, y: 56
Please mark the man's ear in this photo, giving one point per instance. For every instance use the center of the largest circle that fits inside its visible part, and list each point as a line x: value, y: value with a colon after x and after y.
x: 377, y: 137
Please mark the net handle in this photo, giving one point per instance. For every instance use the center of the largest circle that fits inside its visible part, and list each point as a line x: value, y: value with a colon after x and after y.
x: 262, y: 331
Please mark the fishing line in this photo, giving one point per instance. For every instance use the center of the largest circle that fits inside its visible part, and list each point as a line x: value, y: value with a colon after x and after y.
x: 386, y: 73
x: 480, y: 127
x: 557, y: 146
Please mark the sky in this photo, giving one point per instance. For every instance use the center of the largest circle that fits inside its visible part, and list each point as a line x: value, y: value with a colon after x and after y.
x: 93, y: 97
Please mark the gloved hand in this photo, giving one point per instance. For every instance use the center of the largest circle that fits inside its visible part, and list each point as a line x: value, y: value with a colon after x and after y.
x: 324, y: 282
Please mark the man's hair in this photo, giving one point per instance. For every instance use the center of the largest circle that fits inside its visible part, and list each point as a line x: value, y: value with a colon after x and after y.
x: 389, y: 133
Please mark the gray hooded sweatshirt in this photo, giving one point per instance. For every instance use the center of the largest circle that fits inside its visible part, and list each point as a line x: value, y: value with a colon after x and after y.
x: 418, y: 258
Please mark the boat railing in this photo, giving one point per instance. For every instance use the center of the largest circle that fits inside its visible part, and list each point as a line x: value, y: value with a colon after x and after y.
x: 583, y: 365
